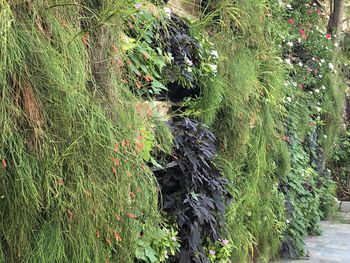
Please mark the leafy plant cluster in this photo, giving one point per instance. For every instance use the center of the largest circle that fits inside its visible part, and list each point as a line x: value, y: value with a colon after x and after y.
x: 164, y: 245
x: 340, y: 165
x: 145, y: 62
x: 165, y: 57
x: 193, y: 192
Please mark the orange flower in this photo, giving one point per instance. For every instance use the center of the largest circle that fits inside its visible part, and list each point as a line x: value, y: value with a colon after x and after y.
x: 117, y: 217
x: 131, y: 215
x: 132, y: 195
x: 145, y: 56
x: 138, y: 84
x: 117, y: 236
x: 114, y: 170
x: 312, y: 124
x: 125, y: 81
x: 85, y: 39
x: 108, y: 241
x: 59, y: 181
x: 123, y: 143
x: 140, y: 137
x: 4, y: 163
x: 115, y: 48
x: 128, y: 173
x: 70, y: 214
x: 87, y: 193
x: 148, y: 78
x: 97, y: 234
x: 116, y: 146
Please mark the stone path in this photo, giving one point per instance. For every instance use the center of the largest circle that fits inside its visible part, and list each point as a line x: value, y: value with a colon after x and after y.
x: 333, y: 246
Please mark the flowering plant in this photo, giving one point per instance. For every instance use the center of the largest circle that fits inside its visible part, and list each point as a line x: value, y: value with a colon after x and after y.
x: 220, y: 251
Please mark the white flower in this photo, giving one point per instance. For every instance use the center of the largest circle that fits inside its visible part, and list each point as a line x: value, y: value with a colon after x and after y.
x: 336, y: 44
x: 289, y: 6
x: 318, y: 109
x: 280, y: 46
x: 325, y: 136
x: 289, y: 99
x: 168, y: 12
x: 290, y: 43
x: 213, y: 67
x: 317, y: 90
x: 320, y: 76
x: 331, y: 66
x: 188, y: 61
x: 313, y: 59
x: 286, y: 84
x: 214, y: 53
x: 322, y: 61
x: 300, y: 64
x: 295, y: 84
x: 299, y: 40
x: 288, y: 61
x: 335, y: 71
x: 323, y: 87
x: 189, y: 69
x: 288, y: 221
x: 311, y: 92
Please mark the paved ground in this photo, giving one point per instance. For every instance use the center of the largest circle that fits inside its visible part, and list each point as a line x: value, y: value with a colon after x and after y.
x: 333, y: 246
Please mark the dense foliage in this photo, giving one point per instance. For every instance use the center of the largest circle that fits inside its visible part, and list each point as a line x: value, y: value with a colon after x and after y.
x: 193, y: 190
x: 91, y: 171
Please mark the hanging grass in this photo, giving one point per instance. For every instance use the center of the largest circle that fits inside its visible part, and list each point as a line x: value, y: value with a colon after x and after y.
x: 74, y: 188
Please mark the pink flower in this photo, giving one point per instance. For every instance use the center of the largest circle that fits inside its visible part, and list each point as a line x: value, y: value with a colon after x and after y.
x: 211, y: 252
x: 173, y: 238
x: 309, y: 11
x: 301, y: 31
x: 291, y: 21
x: 328, y: 36
x: 225, y: 242
x: 318, y: 11
x: 138, y: 5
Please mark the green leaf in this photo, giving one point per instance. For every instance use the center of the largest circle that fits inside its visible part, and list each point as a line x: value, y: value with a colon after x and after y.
x: 151, y: 254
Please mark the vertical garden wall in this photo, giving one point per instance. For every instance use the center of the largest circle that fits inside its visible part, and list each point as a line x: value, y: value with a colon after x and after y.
x: 132, y: 133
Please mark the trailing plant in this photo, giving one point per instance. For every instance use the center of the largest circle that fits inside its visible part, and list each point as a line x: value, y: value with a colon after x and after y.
x: 193, y: 192
x: 74, y: 181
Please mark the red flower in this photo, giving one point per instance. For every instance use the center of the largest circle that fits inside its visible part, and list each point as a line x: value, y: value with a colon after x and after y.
x: 4, y: 163
x: 301, y: 31
x: 291, y: 21
x: 309, y: 11
x: 328, y: 36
